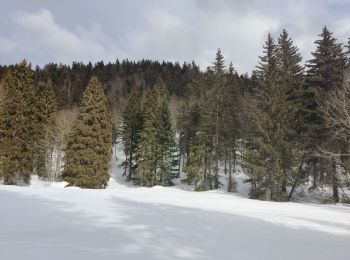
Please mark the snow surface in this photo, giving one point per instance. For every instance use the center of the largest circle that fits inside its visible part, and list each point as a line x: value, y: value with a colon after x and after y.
x: 47, y: 221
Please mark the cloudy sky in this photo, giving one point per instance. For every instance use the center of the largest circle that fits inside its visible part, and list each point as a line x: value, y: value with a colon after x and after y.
x: 177, y: 30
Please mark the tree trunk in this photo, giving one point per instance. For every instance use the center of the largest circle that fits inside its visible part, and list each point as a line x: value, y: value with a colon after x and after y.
x: 230, y: 184
x: 284, y: 181
x: 126, y: 167
x: 334, y: 178
x: 216, y: 180
x: 130, y: 162
x: 300, y: 171
x: 205, y: 171
x: 225, y: 162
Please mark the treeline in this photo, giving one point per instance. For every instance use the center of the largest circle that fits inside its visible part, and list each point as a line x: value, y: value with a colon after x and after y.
x: 287, y: 125
x: 117, y: 78
x: 286, y: 129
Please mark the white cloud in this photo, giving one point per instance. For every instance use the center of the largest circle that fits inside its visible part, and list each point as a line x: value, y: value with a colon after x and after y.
x: 41, y: 39
x: 169, y: 36
x: 6, y: 46
x: 184, y: 30
x: 240, y: 36
x: 342, y: 28
x: 164, y: 36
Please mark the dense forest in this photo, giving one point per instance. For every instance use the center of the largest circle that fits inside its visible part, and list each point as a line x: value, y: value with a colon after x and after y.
x: 287, y: 124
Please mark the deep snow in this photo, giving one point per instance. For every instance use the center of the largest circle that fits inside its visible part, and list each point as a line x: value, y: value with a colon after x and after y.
x: 47, y: 221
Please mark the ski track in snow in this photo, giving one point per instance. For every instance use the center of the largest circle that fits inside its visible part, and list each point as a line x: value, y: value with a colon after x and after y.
x: 47, y: 221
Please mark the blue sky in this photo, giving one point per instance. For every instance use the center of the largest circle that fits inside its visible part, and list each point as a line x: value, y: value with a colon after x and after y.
x: 182, y: 30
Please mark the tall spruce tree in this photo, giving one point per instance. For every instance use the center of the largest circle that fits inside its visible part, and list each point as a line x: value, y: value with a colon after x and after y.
x: 325, y: 74
x: 157, y: 148
x: 88, y: 150
x: 46, y: 107
x: 219, y: 81
x: 147, y: 161
x: 18, y: 126
x: 269, y: 113
x: 290, y: 69
x: 206, y: 153
x: 199, y: 161
x: 132, y: 124
x: 189, y: 112
x: 231, y: 125
x: 291, y: 79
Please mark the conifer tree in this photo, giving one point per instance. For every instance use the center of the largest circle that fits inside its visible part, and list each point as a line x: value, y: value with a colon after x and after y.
x: 88, y: 150
x: 132, y: 124
x: 167, y: 145
x: 18, y: 125
x: 325, y: 74
x: 231, y: 125
x: 218, y: 95
x: 328, y: 62
x: 290, y: 69
x: 291, y: 79
x: 269, y: 113
x: 157, y: 147
x: 199, y: 161
x: 46, y: 107
x: 207, y: 146
x: 189, y: 112
x: 147, y: 160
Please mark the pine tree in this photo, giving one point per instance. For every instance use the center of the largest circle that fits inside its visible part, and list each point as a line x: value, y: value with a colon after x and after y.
x: 199, y: 161
x: 231, y: 125
x: 206, y: 152
x: 18, y: 125
x: 325, y: 74
x: 189, y: 112
x: 328, y: 62
x: 157, y: 147
x: 46, y: 107
x: 147, y: 161
x: 218, y: 95
x: 269, y: 113
x: 89, y: 143
x: 290, y: 69
x: 132, y: 124
x: 168, y: 147
x: 291, y: 80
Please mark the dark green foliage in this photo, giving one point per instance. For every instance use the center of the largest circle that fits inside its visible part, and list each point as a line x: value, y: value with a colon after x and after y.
x: 325, y: 74
x: 157, y: 148
x: 202, y: 163
x: 89, y: 144
x: 70, y: 80
x: 132, y: 125
x: 18, y: 126
x: 218, y: 81
x: 216, y: 128
x: 270, y: 147
x: 291, y: 79
x: 232, y: 125
x: 46, y: 106
x: 326, y: 67
x: 199, y: 161
x: 189, y: 112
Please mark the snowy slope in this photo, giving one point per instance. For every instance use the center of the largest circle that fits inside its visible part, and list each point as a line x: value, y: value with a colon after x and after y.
x: 48, y: 221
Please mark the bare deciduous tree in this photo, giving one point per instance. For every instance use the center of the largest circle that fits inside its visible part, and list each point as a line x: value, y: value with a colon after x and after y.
x: 335, y: 108
x: 63, y: 123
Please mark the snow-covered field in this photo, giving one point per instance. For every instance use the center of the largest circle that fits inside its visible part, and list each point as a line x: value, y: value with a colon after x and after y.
x: 47, y: 221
